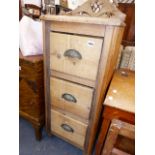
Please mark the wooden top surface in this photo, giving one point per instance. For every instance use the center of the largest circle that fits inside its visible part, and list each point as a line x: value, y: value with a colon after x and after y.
x: 83, y: 19
x: 121, y: 93
x: 105, y: 13
x: 32, y: 58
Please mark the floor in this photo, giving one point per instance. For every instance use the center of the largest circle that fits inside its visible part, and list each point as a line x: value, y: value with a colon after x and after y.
x: 28, y: 145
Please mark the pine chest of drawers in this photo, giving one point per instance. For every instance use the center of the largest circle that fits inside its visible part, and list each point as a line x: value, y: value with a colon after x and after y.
x: 80, y: 55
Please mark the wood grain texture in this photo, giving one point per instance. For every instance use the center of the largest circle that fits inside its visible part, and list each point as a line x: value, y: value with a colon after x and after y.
x: 74, y: 79
x: 110, y: 51
x: 86, y: 20
x: 129, y: 32
x: 78, y: 28
x: 109, y: 114
x: 83, y: 96
x: 38, y: 121
x: 79, y: 128
x: 31, y: 88
x: 69, y: 114
x: 101, y: 9
x: 121, y: 93
x: 31, y: 96
x: 117, y: 128
x: 125, y: 144
x: 110, y: 140
x: 32, y: 58
x: 88, y: 47
x: 103, y: 131
x: 67, y: 140
x: 46, y: 55
x: 106, y: 65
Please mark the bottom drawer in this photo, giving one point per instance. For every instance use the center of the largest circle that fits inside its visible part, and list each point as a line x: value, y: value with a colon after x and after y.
x: 69, y: 129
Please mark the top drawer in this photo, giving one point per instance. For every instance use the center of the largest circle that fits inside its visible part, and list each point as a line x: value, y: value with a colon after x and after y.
x: 75, y: 55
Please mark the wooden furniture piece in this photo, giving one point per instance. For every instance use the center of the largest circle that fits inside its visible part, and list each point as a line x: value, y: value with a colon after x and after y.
x: 80, y: 55
x: 129, y: 32
x: 119, y: 103
x: 117, y: 128
x: 31, y: 91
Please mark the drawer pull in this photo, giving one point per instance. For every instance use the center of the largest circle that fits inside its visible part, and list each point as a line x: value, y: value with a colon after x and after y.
x: 69, y: 97
x: 67, y: 128
x: 72, y: 53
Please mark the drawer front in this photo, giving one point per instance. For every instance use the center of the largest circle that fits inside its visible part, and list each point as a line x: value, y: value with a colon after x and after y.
x: 68, y: 128
x: 71, y: 97
x: 75, y: 55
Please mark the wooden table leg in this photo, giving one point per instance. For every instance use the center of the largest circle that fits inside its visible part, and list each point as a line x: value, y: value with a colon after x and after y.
x: 38, y: 133
x: 102, y: 135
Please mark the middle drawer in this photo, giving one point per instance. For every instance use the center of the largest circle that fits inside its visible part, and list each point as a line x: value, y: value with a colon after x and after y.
x: 71, y: 97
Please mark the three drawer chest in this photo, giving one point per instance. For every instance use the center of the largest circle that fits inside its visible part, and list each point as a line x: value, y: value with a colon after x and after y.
x: 80, y: 54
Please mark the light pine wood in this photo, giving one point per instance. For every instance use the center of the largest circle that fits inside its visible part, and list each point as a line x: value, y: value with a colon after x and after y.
x: 82, y: 94
x: 79, y: 28
x: 86, y: 20
x: 88, y: 47
x: 107, y: 65
x: 46, y: 55
x: 113, y: 55
x: 77, y: 136
x: 99, y: 8
x: 72, y: 115
x: 121, y: 94
x: 74, y: 79
x: 67, y: 140
x: 72, y: 33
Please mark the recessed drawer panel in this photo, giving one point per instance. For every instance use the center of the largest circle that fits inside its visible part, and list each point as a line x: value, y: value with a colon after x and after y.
x: 71, y: 97
x: 68, y: 128
x: 75, y: 55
